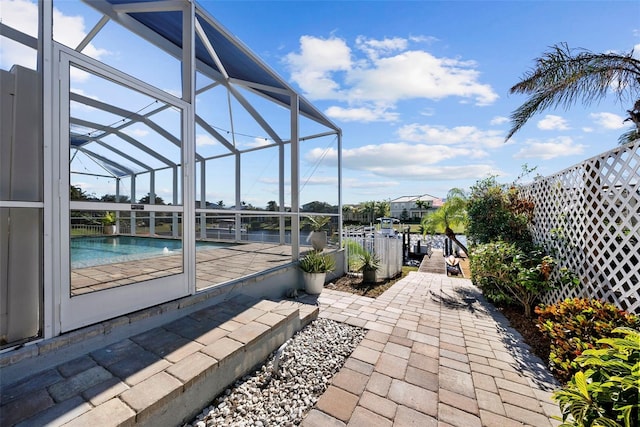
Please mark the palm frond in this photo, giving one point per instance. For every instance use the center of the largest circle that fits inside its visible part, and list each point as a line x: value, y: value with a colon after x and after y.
x: 628, y: 137
x: 563, y: 76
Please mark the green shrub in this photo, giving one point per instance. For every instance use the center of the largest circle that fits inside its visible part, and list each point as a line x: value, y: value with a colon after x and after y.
x: 506, y: 273
x: 498, y: 212
x: 607, y: 393
x: 575, y: 325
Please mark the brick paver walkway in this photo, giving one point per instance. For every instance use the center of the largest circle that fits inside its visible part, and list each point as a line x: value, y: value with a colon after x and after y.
x: 436, y: 354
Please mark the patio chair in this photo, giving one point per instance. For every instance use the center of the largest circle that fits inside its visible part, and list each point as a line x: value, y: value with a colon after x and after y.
x: 452, y: 264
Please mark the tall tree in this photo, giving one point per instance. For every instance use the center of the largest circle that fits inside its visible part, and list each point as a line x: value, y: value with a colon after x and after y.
x: 452, y: 213
x: 369, y: 209
x: 383, y: 209
x: 272, y: 206
x: 146, y: 199
x: 564, y: 76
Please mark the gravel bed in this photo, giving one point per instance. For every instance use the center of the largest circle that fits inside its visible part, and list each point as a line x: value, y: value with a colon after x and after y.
x: 305, y: 365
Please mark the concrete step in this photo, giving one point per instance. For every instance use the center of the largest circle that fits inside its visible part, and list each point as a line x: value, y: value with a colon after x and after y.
x: 163, y: 376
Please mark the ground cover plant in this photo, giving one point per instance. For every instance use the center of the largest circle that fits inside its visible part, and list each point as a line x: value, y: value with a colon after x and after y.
x: 607, y: 391
x: 574, y: 326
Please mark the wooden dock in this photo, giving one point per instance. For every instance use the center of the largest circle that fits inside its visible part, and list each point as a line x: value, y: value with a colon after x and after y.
x: 436, y: 264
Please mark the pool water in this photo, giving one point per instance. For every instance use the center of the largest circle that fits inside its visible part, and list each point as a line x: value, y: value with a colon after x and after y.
x: 93, y: 251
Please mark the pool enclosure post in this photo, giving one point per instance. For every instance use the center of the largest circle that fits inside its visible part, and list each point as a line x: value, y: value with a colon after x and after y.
x: 295, y: 178
x: 132, y: 226
x: 339, y: 136
x: 188, y: 144
x: 152, y: 201
x: 203, y: 199
x: 281, y: 208
x: 117, y: 200
x: 237, y: 217
x: 51, y: 189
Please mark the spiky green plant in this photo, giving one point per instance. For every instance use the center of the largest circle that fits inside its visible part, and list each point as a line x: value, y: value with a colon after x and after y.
x: 317, y: 262
x: 317, y: 222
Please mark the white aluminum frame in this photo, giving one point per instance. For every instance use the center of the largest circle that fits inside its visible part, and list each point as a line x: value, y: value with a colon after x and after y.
x: 80, y: 310
x: 58, y: 315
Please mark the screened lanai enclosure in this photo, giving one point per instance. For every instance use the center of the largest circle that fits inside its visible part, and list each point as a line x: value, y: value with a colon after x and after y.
x: 147, y: 155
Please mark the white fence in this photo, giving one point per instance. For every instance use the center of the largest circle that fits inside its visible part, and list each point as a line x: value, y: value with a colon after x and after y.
x: 388, y: 250
x: 588, y: 216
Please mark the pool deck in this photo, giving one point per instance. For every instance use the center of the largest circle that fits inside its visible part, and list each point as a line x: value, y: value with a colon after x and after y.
x: 213, y: 266
x: 435, y: 354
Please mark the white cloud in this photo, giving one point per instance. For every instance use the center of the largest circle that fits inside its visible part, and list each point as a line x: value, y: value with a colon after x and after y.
x: 498, y: 120
x: 374, y: 48
x: 391, y: 160
x: 313, y: 67
x: 552, y: 122
x: 319, y: 180
x: 394, y: 156
x: 204, y: 139
x: 418, y: 74
x: 636, y: 50
x: 608, y: 120
x: 446, y: 173
x: 258, y: 142
x: 387, y: 73
x: 361, y: 114
x: 136, y: 132
x: 367, y: 184
x: 465, y: 135
x: 587, y: 129
x: 557, y: 147
x: 23, y: 16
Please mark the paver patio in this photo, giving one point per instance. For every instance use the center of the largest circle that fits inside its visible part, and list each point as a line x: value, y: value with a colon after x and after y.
x: 436, y: 354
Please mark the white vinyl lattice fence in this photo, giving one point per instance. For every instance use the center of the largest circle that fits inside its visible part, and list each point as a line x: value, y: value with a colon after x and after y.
x: 588, y: 216
x: 388, y: 250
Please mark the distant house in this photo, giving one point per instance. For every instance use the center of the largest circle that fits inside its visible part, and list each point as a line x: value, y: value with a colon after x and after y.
x: 415, y: 206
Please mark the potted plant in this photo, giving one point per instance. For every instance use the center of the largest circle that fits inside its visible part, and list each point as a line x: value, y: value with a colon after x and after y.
x: 369, y: 264
x: 109, y: 223
x: 315, y: 265
x: 318, y: 236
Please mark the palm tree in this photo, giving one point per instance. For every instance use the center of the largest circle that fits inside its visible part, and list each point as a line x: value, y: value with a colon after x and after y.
x: 451, y: 214
x: 383, y: 208
x: 563, y: 76
x: 369, y: 209
x: 423, y: 204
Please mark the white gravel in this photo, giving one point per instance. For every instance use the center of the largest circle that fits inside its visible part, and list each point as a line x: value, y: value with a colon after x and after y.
x: 306, y: 365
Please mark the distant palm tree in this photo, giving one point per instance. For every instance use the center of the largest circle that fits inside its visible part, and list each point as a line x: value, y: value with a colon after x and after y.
x: 452, y: 213
x: 383, y: 208
x: 564, y: 76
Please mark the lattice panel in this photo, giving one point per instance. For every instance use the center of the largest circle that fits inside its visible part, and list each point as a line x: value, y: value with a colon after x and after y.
x: 588, y: 216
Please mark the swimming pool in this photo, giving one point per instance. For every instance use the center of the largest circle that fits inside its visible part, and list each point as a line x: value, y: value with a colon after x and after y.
x: 93, y: 251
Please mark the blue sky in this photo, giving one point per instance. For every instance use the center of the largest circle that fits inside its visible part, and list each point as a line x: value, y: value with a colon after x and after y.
x: 419, y: 88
